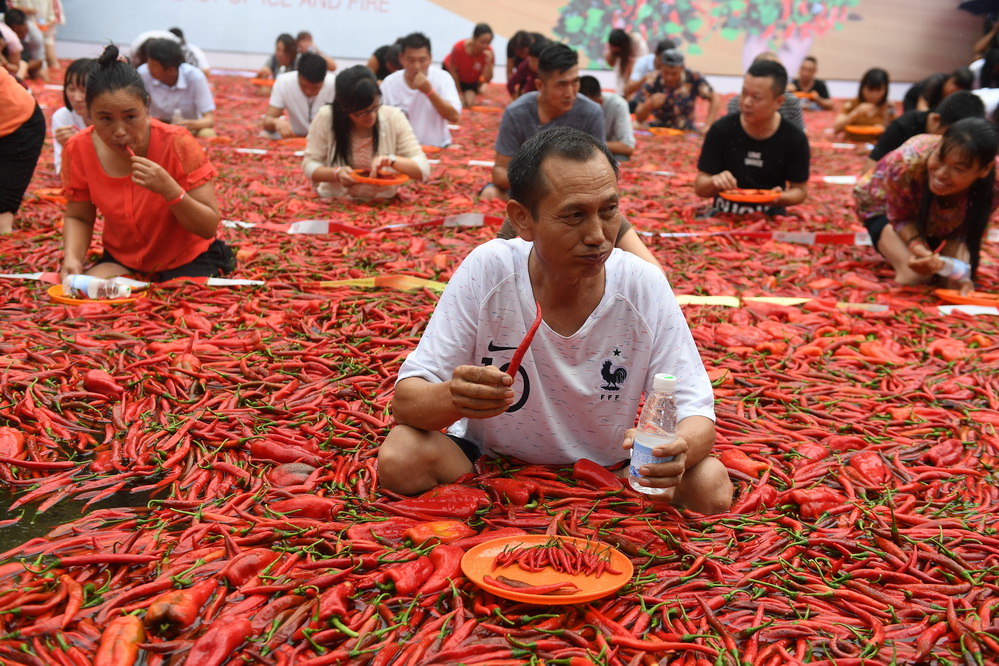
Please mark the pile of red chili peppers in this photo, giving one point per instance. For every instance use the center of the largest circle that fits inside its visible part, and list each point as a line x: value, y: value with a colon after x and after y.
x: 862, y: 444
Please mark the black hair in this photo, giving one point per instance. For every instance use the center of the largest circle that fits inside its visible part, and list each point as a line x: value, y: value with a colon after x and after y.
x: 989, y: 75
x: 665, y: 45
x: 528, y: 185
x: 875, y: 77
x: 622, y: 41
x: 312, y: 67
x: 415, y: 41
x: 978, y: 140
x: 305, y: 34
x: 963, y: 78
x: 932, y: 90
x: 771, y: 70
x: 166, y: 52
x: 15, y: 17
x: 589, y: 86
x: 178, y: 33
x: 960, y: 105
x: 520, y: 40
x: 812, y: 60
x: 537, y: 46
x: 77, y: 74
x: 556, y: 58
x: 356, y: 90
x: 290, y: 45
x: 108, y: 74
x: 481, y: 29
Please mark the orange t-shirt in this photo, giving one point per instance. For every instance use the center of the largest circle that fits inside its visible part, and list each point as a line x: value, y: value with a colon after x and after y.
x: 139, y: 229
x: 17, y: 103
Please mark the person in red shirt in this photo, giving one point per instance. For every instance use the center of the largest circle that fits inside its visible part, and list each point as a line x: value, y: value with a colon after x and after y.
x: 471, y: 63
x: 22, y: 133
x: 151, y: 182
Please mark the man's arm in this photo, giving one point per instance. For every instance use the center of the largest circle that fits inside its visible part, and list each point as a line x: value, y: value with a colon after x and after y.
x: 274, y: 122
x: 206, y: 121
x: 714, y: 105
x: 474, y: 392
x: 500, y: 163
x: 796, y: 193
x: 445, y: 108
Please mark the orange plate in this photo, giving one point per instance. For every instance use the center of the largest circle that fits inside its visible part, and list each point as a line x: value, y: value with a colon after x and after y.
x: 750, y: 196
x: 383, y: 180
x: 431, y: 150
x: 478, y: 562
x: 265, y: 83
x: 486, y: 109
x: 666, y: 131
x: 865, y: 130
x: 59, y: 296
x: 805, y: 95
x: 974, y: 298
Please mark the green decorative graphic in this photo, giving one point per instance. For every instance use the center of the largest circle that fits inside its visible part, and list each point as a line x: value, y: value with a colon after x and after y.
x: 772, y: 19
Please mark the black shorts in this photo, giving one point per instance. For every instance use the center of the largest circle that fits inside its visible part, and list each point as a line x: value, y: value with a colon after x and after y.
x: 19, y: 153
x: 470, y: 449
x: 217, y: 260
x: 876, y: 226
x: 474, y: 87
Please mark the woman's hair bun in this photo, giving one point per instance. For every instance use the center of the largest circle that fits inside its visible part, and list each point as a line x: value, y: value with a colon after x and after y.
x: 109, y: 57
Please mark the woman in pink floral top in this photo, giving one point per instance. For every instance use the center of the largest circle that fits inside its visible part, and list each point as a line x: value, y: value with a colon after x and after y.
x: 928, y: 203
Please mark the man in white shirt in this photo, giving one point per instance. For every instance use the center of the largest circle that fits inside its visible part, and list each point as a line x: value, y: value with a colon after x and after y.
x: 301, y: 93
x: 610, y: 324
x: 178, y: 92
x: 427, y: 95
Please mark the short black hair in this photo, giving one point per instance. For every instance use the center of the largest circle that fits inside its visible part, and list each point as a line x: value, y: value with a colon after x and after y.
x: 76, y: 74
x: 557, y: 58
x: 108, y: 74
x: 178, y: 33
x: 958, y: 106
x: 166, y: 52
x: 665, y: 45
x: 772, y: 70
x: 528, y: 185
x: 415, y: 41
x: 481, y: 29
x: 812, y: 60
x: 963, y: 78
x: 590, y: 87
x: 15, y: 17
x: 537, y: 46
x: 312, y: 67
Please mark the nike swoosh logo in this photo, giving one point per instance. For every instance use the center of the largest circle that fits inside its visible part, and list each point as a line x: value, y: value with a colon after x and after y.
x: 493, y: 348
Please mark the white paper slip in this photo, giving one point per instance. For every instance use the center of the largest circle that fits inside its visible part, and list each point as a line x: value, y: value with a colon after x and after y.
x: 309, y: 227
x: 251, y: 151
x: 840, y: 180
x: 21, y: 276
x: 969, y: 309
x: 485, y: 163
x: 844, y: 146
x: 237, y: 224
x: 232, y: 282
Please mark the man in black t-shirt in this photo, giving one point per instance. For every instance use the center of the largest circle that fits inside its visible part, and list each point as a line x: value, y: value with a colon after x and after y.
x: 954, y: 107
x: 756, y: 149
x: 807, y: 83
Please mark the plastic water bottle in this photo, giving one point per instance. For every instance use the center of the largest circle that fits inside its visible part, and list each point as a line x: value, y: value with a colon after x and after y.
x: 656, y: 427
x: 953, y: 268
x: 88, y: 286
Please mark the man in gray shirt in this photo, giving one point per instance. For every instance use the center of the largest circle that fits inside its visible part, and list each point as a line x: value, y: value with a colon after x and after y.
x: 618, y: 130
x: 557, y: 103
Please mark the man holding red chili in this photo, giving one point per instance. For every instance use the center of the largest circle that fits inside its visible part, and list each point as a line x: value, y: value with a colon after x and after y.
x: 610, y: 322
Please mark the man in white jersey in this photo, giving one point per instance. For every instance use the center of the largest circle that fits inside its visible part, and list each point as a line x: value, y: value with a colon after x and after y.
x: 611, y: 323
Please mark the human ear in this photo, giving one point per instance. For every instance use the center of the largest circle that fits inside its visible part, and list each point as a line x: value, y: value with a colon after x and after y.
x: 521, y: 219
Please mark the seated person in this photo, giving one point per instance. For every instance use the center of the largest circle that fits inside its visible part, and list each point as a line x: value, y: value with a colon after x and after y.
x: 790, y: 108
x: 427, y: 95
x: 516, y: 50
x: 599, y: 305
x: 470, y: 63
x: 385, y: 60
x: 284, y: 59
x: 22, y: 135
x: 926, y: 94
x: 357, y: 134
x: 927, y: 204
x: 620, y: 52
x: 32, y: 45
x: 10, y: 52
x: 646, y: 69
x: 525, y: 77
x: 151, y: 183
x: 618, y: 132
x: 671, y: 97
x: 958, y: 106
x: 73, y: 117
x: 304, y: 44
x: 193, y: 55
x: 178, y: 92
x: 756, y: 149
x: 301, y: 94
x: 556, y: 103
x: 871, y: 106
x: 807, y: 83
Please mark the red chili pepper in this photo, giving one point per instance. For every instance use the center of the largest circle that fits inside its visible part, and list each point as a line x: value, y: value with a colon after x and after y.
x: 735, y: 459
x: 446, y: 560
x: 11, y: 443
x: 410, y: 576
x: 871, y: 467
x: 217, y: 644
x: 120, y: 642
x: 595, y: 475
x: 816, y: 501
x: 514, y: 585
x: 514, y: 491
x: 180, y: 608
x: 438, y: 531
x: 320, y: 508
x: 98, y: 381
x: 522, y: 348
x: 334, y: 601
x: 248, y: 564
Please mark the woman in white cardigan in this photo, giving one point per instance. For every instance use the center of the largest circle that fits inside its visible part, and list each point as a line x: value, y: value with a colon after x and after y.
x: 356, y: 135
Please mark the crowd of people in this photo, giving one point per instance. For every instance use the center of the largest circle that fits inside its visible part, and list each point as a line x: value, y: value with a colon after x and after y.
x: 125, y: 146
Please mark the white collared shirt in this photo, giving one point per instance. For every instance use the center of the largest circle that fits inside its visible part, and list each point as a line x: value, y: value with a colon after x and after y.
x: 287, y: 95
x: 191, y: 94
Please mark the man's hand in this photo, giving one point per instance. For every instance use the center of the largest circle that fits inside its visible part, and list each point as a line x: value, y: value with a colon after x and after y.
x: 657, y: 100
x: 283, y: 127
x: 662, y: 475
x: 724, y: 181
x: 150, y: 175
x: 422, y: 83
x: 479, y: 392
x: 70, y: 267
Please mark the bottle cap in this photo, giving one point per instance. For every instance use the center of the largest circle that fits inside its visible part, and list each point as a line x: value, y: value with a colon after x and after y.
x: 663, y: 382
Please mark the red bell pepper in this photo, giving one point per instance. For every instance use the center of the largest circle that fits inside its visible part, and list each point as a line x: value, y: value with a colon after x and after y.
x: 738, y: 461
x: 813, y: 502
x: 120, y: 642
x: 438, y: 531
x: 588, y: 472
x: 215, y: 646
x: 514, y: 491
x: 809, y: 452
x: 945, y: 454
x: 180, y: 608
x: 410, y: 576
x: 447, y: 567
x: 248, y: 564
x: 335, y: 600
x: 11, y: 443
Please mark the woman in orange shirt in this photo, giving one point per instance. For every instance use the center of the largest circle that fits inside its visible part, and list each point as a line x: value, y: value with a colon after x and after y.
x: 22, y: 133
x: 151, y: 182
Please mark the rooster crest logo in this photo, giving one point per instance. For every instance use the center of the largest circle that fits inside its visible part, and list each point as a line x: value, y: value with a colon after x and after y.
x: 613, y: 376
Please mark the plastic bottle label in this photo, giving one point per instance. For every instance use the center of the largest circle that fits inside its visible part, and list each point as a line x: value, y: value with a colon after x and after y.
x: 641, y: 454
